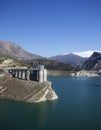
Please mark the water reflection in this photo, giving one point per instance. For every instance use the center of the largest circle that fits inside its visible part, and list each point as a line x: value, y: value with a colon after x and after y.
x: 42, y: 113
x: 78, y: 108
x: 15, y: 115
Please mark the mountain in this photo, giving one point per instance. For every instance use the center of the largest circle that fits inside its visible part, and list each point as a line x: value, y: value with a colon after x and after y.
x: 92, y: 63
x: 84, y: 54
x: 11, y: 55
x: 15, y: 51
x: 49, y: 64
x: 68, y: 58
x: 6, y: 62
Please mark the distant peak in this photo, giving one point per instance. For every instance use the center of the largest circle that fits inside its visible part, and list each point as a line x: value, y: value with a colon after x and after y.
x: 84, y: 54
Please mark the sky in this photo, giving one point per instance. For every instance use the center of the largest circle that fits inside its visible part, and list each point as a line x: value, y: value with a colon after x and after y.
x: 51, y: 27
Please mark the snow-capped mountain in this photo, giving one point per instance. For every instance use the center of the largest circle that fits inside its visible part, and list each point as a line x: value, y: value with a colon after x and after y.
x: 75, y: 58
x: 84, y: 54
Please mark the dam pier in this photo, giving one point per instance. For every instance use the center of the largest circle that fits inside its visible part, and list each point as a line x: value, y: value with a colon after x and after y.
x: 38, y: 74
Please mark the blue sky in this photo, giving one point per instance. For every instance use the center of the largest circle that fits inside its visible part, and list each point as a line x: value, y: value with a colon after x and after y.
x: 51, y: 27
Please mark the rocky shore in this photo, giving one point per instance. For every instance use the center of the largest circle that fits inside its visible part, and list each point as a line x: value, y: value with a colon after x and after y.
x: 84, y: 73
x: 25, y: 91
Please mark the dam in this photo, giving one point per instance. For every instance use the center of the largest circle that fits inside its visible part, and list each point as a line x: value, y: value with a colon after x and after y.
x: 38, y: 74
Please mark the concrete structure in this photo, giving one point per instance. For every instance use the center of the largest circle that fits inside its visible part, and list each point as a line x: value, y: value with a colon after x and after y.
x: 38, y: 74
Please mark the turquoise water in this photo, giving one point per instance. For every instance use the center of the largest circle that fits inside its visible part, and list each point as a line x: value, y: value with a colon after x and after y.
x: 78, y: 108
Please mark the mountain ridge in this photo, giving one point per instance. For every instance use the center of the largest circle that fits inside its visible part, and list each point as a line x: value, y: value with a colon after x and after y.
x: 92, y: 63
x: 68, y: 59
x: 12, y: 51
x: 15, y: 51
x: 84, y: 54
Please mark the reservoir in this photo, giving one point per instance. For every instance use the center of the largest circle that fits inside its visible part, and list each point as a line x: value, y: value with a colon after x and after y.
x: 77, y: 108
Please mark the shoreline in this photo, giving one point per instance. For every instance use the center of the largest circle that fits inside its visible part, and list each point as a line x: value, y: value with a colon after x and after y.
x: 82, y: 73
x: 85, y: 73
x: 25, y: 91
x: 59, y: 73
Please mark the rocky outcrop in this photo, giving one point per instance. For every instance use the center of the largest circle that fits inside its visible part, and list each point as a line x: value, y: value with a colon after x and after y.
x: 84, y: 73
x: 92, y: 63
x: 25, y: 91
